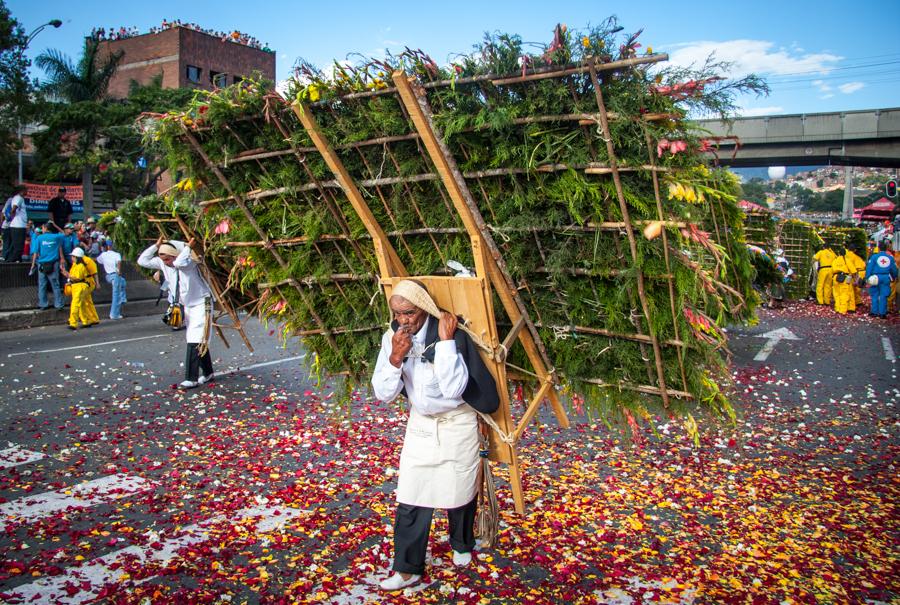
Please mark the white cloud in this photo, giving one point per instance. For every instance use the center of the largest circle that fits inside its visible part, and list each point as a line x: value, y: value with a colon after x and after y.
x: 850, y: 87
x: 753, y: 56
x: 822, y: 86
x: 750, y: 112
x: 827, y: 96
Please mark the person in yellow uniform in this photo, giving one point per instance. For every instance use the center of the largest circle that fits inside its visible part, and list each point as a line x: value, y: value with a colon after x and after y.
x: 842, y: 288
x: 892, y: 305
x: 858, y: 270
x: 89, y: 309
x: 824, y: 258
x: 81, y: 289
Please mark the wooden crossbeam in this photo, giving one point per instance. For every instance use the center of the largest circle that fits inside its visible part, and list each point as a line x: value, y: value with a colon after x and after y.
x: 513, y: 333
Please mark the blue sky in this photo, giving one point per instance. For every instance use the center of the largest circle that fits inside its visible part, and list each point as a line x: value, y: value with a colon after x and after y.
x: 817, y: 55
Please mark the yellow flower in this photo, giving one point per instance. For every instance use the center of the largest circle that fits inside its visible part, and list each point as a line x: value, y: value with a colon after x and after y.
x: 313, y: 91
x: 673, y: 190
x: 649, y: 50
x: 586, y: 42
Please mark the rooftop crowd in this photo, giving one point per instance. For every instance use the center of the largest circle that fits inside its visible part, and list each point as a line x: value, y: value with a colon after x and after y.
x: 121, y: 33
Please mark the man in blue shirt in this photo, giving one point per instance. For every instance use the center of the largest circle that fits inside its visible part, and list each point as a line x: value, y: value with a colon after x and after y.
x: 70, y: 240
x: 47, y: 254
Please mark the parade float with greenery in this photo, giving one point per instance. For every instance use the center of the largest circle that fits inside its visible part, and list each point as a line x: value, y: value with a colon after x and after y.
x: 625, y: 246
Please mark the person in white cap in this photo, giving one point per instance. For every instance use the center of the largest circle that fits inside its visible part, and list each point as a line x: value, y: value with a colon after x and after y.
x: 81, y: 290
x: 191, y: 290
x: 440, y: 371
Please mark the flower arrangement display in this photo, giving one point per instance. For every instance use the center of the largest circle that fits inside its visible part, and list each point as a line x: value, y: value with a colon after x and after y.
x: 626, y: 249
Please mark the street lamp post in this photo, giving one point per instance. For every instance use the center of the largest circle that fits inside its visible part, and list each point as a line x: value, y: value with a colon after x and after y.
x: 55, y: 23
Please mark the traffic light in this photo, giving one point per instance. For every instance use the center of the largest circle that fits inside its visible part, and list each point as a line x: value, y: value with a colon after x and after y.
x: 890, y: 188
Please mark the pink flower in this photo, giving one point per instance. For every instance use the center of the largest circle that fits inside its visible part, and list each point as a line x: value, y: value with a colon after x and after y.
x: 661, y: 146
x: 223, y: 227
x: 677, y: 146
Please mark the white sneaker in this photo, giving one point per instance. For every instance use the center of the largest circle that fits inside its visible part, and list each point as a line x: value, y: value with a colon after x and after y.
x: 188, y: 384
x: 205, y: 379
x: 461, y: 559
x: 396, y: 582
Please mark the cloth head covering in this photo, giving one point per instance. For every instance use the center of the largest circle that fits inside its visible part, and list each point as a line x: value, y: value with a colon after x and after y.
x: 417, y: 295
x: 78, y: 252
x: 167, y: 249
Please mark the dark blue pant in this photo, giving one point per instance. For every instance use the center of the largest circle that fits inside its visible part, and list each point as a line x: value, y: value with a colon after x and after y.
x: 880, y: 295
x: 53, y: 278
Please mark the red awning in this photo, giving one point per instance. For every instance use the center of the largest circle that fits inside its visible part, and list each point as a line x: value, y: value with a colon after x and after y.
x: 876, y: 211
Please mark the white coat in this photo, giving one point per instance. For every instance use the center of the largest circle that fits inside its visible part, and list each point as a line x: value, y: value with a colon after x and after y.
x: 439, y: 461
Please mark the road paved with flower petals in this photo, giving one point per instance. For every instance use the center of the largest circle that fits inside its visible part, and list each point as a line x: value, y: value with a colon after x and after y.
x: 269, y: 487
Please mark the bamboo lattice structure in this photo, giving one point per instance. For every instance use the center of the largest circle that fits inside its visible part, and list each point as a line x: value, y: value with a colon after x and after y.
x: 359, y: 213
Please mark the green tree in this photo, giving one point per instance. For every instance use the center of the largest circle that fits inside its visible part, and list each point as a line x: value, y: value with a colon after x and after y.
x: 88, y: 80
x: 754, y: 191
x: 15, y: 88
x: 101, y: 137
x: 803, y: 197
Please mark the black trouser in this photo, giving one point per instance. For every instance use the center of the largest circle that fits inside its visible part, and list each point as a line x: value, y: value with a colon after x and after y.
x: 16, y: 245
x: 7, y: 243
x: 193, y: 363
x: 412, y: 525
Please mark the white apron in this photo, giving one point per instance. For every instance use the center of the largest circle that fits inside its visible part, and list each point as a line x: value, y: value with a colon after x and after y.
x: 197, y: 322
x: 439, y: 461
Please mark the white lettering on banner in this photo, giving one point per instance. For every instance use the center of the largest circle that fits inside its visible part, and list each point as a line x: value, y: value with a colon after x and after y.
x: 37, y: 196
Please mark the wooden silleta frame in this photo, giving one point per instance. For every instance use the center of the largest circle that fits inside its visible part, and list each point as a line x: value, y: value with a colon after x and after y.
x: 469, y: 297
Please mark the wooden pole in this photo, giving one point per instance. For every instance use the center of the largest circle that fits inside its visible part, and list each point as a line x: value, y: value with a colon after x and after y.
x: 418, y: 108
x: 623, y: 208
x: 388, y: 261
x: 262, y: 234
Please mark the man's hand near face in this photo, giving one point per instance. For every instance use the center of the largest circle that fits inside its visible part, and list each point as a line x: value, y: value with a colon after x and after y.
x: 401, y: 343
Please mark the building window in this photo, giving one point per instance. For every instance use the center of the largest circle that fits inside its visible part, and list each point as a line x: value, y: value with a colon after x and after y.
x: 218, y: 79
x: 193, y: 74
x: 238, y: 79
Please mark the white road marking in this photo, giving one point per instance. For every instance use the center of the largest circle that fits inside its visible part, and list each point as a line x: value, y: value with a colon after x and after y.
x: 83, y: 495
x: 618, y: 596
x: 888, y: 349
x: 110, y: 568
x: 774, y: 337
x: 90, y: 346
x: 15, y: 455
x: 261, y: 365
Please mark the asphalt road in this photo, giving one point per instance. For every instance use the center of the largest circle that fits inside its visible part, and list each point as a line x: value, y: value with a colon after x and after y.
x: 99, y: 407
x: 51, y: 368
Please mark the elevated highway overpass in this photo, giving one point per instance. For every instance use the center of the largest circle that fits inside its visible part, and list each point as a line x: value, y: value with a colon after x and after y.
x: 848, y: 138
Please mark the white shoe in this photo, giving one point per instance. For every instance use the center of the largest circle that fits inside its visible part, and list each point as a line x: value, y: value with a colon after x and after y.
x: 188, y: 384
x: 461, y: 559
x: 205, y: 379
x: 396, y: 582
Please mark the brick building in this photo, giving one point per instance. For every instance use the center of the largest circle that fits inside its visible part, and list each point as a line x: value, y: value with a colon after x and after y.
x: 186, y: 58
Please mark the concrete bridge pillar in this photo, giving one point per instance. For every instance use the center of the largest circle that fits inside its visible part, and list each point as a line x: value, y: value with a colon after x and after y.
x: 848, y: 193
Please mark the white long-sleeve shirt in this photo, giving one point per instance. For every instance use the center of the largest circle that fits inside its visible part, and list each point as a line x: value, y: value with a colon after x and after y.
x: 430, y: 388
x: 192, y: 288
